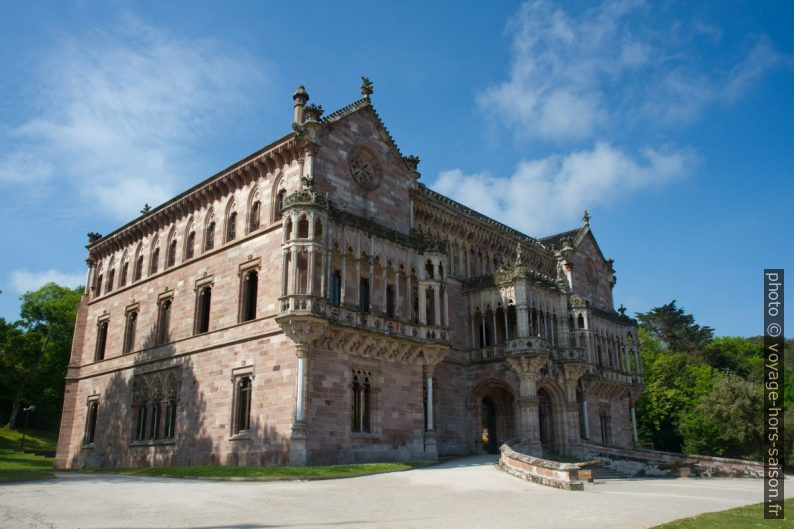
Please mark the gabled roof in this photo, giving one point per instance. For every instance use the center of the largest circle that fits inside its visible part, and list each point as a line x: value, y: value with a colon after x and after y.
x: 355, y: 106
x: 555, y: 242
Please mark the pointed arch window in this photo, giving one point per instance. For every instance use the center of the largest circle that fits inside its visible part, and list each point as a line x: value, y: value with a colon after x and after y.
x: 129, y: 331
x: 280, y: 203
x: 190, y: 244
x: 111, y: 278
x: 101, y: 340
x: 90, y: 423
x: 209, y: 238
x: 249, y: 292
x: 138, y: 268
x: 154, y: 260
x: 231, y: 226
x: 172, y: 253
x: 203, y: 302
x: 254, y: 215
x: 163, y: 321
x: 125, y: 265
x: 242, y: 415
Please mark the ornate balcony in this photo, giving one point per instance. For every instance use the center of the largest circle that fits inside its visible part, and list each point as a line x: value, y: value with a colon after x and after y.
x: 367, y: 321
x: 617, y: 377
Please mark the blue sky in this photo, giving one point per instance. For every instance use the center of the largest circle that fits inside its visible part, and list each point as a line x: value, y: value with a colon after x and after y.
x: 671, y: 122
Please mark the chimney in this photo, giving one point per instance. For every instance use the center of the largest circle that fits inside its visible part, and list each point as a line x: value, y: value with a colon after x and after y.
x: 299, y: 97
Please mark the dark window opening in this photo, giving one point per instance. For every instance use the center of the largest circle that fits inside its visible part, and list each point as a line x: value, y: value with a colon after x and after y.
x: 172, y: 253
x: 390, y: 301
x: 155, y: 259
x: 280, y: 204
x: 98, y: 287
x: 190, y: 245
x: 163, y: 320
x: 356, y: 405
x: 209, y: 241
x: 154, y: 430
x: 124, y: 270
x: 231, y: 227
x: 140, y: 426
x: 203, y: 310
x: 111, y: 278
x: 90, y: 431
x: 243, y: 415
x: 129, y: 331
x: 138, y: 268
x: 170, y: 420
x: 363, y: 295
x: 255, y: 207
x: 335, y: 295
x: 250, y: 286
x: 101, y: 341
x: 303, y: 228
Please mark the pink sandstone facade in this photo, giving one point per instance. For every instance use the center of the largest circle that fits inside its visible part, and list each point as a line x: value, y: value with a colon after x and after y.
x: 315, y: 303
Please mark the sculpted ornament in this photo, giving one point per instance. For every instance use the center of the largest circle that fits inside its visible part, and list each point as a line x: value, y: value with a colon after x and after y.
x: 364, y: 168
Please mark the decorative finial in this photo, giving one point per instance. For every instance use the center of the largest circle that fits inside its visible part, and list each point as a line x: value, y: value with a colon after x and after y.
x: 146, y: 209
x: 622, y: 310
x: 586, y: 218
x: 314, y: 112
x: 412, y: 161
x: 366, y: 87
x: 93, y: 237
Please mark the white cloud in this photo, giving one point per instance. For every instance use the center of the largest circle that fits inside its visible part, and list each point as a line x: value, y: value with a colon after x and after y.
x: 575, y: 76
x: 549, y: 193
x: 120, y: 111
x: 24, y: 280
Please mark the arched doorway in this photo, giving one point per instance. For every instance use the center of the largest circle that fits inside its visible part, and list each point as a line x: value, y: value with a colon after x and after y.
x: 488, y: 423
x: 545, y: 422
x: 492, y: 403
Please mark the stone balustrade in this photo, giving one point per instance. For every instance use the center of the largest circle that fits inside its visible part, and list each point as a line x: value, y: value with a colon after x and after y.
x: 643, y: 462
x: 352, y: 317
x: 542, y: 471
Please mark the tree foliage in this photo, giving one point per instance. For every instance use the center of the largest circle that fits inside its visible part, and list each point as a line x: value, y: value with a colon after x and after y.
x: 675, y: 328
x: 34, y: 353
x: 710, y: 402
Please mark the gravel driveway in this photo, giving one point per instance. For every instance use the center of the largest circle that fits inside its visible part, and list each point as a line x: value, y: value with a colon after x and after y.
x: 467, y: 492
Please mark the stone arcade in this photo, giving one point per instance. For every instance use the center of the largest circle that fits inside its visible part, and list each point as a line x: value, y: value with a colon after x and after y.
x: 315, y: 303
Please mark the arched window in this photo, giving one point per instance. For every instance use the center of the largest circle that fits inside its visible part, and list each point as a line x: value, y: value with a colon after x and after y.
x: 280, y: 204
x: 129, y: 331
x: 303, y: 227
x: 203, y: 301
x: 163, y: 321
x: 355, y: 399
x: 231, y: 226
x: 255, y: 214
x: 125, y: 265
x: 90, y: 423
x: 580, y: 321
x: 155, y: 258
x: 318, y: 229
x: 138, y: 268
x: 249, y: 292
x: 172, y: 252
x: 101, y: 340
x: 335, y: 294
x: 242, y: 416
x: 111, y: 277
x: 288, y: 229
x: 190, y: 244
x: 209, y: 237
x: 98, y: 286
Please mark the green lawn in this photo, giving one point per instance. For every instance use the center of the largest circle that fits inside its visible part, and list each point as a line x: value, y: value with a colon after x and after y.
x: 17, y: 466
x: 317, y: 472
x: 748, y: 517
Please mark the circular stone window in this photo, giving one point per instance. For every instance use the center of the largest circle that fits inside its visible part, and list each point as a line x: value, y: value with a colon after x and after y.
x: 364, y: 168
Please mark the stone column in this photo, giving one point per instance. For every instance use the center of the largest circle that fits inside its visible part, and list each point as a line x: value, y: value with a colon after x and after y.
x: 284, y: 272
x: 310, y: 273
x: 326, y: 270
x: 494, y: 327
x: 383, y: 303
x: 293, y: 271
x: 528, y: 368
x: 572, y: 372
x: 437, y: 305
x: 634, y: 437
x: 483, y: 330
x: 371, y: 285
x: 468, y: 261
x: 398, y: 299
x: 507, y: 328
x: 586, y: 420
x: 446, y: 307
x: 430, y: 445
x: 410, y: 295
x: 422, y: 304
x: 522, y: 320
x: 343, y: 279
x: 297, y: 449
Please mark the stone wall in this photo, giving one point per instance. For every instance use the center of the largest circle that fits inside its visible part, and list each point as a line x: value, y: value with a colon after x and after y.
x: 542, y: 471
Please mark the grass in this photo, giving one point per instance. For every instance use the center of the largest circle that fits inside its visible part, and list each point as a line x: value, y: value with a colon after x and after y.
x: 748, y: 517
x: 264, y: 473
x: 18, y: 466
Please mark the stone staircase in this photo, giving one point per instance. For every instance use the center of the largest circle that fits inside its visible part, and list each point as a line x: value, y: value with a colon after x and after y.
x: 600, y: 472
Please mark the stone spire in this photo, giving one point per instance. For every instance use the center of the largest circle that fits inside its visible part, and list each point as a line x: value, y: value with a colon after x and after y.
x: 586, y: 218
x: 300, y: 97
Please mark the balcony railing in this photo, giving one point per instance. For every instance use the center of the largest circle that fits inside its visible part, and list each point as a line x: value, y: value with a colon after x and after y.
x: 364, y: 320
x: 619, y: 377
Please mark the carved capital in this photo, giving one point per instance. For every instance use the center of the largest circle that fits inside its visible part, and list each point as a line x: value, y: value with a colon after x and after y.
x: 302, y: 329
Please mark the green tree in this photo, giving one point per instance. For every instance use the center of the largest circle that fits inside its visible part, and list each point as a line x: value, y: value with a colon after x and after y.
x: 728, y: 421
x: 742, y: 356
x: 675, y: 328
x: 34, y: 351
